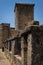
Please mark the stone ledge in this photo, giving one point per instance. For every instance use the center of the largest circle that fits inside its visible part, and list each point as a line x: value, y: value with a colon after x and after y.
x: 18, y: 57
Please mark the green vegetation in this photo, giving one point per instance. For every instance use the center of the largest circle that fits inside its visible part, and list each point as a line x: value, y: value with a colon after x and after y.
x: 0, y: 49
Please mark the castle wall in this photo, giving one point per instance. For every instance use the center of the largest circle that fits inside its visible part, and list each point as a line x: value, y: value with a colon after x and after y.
x: 31, y: 47
x: 35, y: 52
x: 6, y: 32
x: 13, y: 32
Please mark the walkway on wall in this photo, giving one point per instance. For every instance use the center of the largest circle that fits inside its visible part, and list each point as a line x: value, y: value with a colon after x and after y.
x: 3, y: 59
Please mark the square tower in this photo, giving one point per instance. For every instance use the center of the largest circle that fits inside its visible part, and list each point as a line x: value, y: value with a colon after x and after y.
x: 5, y: 31
x: 24, y: 15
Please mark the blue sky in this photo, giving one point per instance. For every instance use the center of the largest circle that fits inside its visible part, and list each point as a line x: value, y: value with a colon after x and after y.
x: 7, y: 10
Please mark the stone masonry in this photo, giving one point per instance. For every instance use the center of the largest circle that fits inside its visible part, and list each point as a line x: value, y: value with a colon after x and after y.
x: 24, y: 46
x: 24, y: 15
x: 6, y: 32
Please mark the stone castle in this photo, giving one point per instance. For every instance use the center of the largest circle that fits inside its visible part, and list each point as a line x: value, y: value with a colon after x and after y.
x: 23, y: 45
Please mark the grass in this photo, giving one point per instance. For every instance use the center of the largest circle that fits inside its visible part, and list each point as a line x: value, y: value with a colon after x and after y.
x: 0, y: 50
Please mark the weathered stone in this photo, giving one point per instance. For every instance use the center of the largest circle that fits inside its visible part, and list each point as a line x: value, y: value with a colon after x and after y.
x: 24, y: 15
x: 26, y: 46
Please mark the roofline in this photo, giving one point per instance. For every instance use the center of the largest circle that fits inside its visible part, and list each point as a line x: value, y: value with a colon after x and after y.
x: 23, y: 4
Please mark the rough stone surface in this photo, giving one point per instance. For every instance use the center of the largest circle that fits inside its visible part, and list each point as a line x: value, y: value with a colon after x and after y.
x: 37, y: 46
x: 24, y: 15
x: 26, y: 47
x: 4, y: 32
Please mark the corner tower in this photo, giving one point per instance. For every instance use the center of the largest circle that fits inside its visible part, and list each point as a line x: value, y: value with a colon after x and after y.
x: 5, y: 31
x: 24, y: 15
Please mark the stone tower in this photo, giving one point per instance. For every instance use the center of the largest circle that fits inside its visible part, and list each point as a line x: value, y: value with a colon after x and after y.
x: 24, y: 15
x: 5, y: 30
